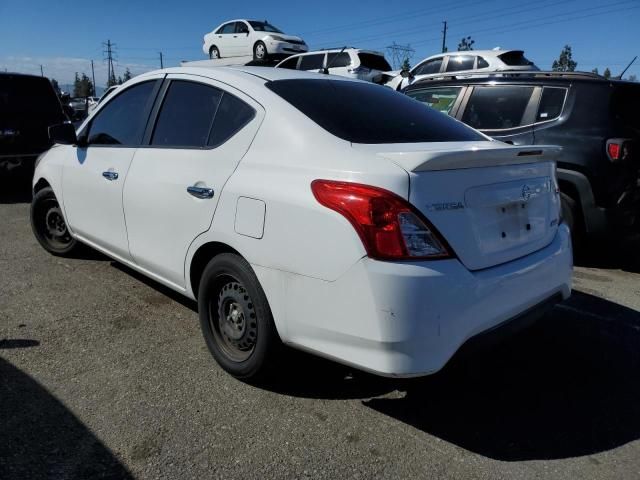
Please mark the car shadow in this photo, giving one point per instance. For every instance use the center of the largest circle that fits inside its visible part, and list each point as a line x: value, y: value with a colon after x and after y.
x: 15, y: 190
x: 615, y: 253
x: 40, y: 437
x: 567, y: 387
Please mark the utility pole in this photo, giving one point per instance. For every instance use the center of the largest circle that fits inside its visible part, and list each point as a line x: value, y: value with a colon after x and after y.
x: 41, y: 71
x: 108, y: 52
x: 161, y: 64
x: 93, y: 76
x: 444, y: 37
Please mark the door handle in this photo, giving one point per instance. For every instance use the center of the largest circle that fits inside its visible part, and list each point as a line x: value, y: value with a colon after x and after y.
x: 109, y: 175
x: 200, y: 192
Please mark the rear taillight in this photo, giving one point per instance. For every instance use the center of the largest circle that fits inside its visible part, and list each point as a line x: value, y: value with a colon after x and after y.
x: 619, y: 149
x: 390, y: 227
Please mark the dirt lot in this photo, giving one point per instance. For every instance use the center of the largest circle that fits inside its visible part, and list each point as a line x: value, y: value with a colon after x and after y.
x: 104, y: 374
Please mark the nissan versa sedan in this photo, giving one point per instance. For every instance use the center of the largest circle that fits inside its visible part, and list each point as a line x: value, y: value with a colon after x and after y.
x: 328, y: 214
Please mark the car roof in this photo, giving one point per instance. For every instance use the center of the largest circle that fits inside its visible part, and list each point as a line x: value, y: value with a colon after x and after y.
x: 506, y: 77
x: 20, y: 75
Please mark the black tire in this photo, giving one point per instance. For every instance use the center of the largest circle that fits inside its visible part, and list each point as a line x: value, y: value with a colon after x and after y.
x: 572, y: 217
x: 235, y: 318
x: 49, y: 226
x: 260, y: 51
x: 214, y: 52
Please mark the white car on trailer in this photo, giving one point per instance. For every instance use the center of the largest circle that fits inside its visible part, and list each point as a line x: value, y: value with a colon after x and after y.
x: 333, y: 215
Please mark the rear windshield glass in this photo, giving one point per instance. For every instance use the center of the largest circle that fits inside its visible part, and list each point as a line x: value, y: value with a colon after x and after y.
x: 366, y: 113
x: 29, y: 97
x: 374, y: 62
x: 515, y: 59
x: 625, y: 105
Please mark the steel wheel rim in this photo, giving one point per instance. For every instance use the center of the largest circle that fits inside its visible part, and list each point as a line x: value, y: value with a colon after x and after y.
x: 52, y: 226
x: 233, y: 321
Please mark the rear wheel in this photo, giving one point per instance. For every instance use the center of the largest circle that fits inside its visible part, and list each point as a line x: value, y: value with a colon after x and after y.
x: 214, y: 52
x: 572, y: 218
x: 235, y: 318
x: 260, y: 51
x: 49, y: 225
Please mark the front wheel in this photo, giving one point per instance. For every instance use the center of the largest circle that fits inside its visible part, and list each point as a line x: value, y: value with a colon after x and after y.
x: 235, y: 318
x: 214, y: 53
x: 48, y: 224
x: 260, y: 51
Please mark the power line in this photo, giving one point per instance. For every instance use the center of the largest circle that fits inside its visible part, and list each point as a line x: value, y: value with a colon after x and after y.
x: 399, y: 54
x: 111, y: 74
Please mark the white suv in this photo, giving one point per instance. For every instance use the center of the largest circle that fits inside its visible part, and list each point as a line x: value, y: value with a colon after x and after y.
x: 333, y: 215
x: 463, y: 62
x: 354, y: 63
x: 239, y: 38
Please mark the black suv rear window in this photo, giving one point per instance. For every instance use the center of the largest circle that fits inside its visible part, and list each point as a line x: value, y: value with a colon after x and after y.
x: 29, y: 98
x: 374, y: 62
x: 625, y: 105
x: 367, y: 113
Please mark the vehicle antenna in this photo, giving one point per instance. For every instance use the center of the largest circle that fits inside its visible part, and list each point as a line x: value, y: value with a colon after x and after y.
x: 627, y: 68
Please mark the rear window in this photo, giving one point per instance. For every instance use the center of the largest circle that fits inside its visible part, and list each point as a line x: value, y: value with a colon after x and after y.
x: 497, y: 108
x: 515, y: 59
x: 311, y: 62
x: 551, y: 103
x: 370, y: 114
x: 30, y: 98
x: 458, y: 63
x: 625, y: 105
x: 441, y: 98
x: 374, y: 62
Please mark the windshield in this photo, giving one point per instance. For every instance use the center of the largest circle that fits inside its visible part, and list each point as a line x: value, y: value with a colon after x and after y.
x: 264, y: 27
x: 365, y: 113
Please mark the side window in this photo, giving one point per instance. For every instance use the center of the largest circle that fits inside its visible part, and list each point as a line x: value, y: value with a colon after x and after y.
x: 442, y: 99
x: 186, y: 115
x: 228, y: 28
x: 241, y: 27
x: 458, y: 63
x: 495, y: 108
x: 311, y: 62
x: 290, y: 63
x: 123, y: 119
x: 337, y: 59
x: 432, y: 66
x: 551, y: 103
x: 482, y: 63
x: 232, y: 115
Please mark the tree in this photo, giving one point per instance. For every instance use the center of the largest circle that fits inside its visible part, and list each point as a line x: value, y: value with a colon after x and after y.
x: 606, y: 73
x: 595, y: 70
x: 466, y: 44
x: 565, y: 62
x: 127, y: 75
x: 632, y: 78
x: 111, y: 81
x: 82, y: 86
x: 56, y: 87
x: 119, y: 82
x: 405, y: 64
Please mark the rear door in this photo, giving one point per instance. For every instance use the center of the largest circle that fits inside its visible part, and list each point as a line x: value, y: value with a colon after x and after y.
x: 312, y: 63
x: 93, y: 182
x: 241, y: 43
x: 504, y: 112
x: 444, y: 99
x: 202, y: 130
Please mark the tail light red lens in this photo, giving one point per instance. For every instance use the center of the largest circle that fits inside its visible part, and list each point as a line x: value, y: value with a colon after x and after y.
x: 389, y: 226
x: 619, y: 149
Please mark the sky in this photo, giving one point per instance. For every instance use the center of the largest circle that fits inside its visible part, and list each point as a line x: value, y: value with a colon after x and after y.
x: 64, y: 36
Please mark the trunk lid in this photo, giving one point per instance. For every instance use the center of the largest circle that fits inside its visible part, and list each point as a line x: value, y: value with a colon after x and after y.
x: 492, y: 203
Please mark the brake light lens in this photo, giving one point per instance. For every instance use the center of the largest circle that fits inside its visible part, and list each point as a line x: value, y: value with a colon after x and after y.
x: 390, y: 228
x: 619, y: 149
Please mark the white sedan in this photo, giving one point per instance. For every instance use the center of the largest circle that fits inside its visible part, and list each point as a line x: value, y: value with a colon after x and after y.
x: 239, y: 38
x: 332, y: 215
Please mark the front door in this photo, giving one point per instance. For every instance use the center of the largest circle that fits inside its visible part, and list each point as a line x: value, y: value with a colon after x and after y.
x: 202, y: 131
x: 93, y: 184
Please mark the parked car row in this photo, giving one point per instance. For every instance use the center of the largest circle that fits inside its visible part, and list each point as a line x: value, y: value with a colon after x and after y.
x: 325, y: 213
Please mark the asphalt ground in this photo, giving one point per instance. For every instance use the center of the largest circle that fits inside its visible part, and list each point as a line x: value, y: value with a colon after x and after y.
x: 104, y: 374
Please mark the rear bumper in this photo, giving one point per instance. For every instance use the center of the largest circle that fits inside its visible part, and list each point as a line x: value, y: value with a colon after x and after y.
x: 409, y: 319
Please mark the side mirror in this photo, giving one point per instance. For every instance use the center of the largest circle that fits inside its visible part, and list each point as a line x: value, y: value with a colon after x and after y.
x: 324, y: 70
x: 63, y: 133
x: 405, y: 74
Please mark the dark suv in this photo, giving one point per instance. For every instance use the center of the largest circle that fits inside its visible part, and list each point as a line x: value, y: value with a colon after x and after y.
x: 28, y: 106
x: 595, y: 120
